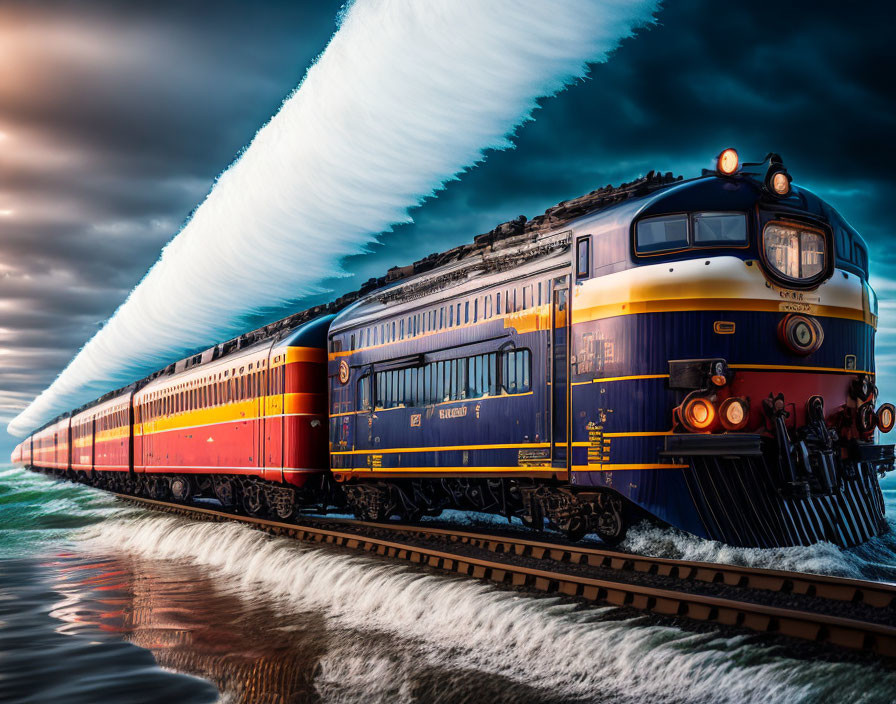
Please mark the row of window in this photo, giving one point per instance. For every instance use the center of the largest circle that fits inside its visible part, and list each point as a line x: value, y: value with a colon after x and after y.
x: 482, y: 375
x: 510, y: 299
x: 672, y: 232
x: 115, y: 419
x: 211, y: 394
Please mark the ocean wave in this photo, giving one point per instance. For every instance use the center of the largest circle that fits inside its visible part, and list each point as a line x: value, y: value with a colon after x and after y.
x: 565, y: 652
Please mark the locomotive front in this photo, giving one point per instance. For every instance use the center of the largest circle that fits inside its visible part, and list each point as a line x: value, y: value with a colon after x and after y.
x: 723, y: 377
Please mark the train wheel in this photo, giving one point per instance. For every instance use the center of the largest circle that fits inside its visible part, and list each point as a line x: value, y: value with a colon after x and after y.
x: 253, y: 500
x: 610, y: 524
x: 224, y: 491
x: 282, y: 502
x: 181, y: 489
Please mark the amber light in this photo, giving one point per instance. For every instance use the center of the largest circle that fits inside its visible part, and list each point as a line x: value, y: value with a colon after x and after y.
x: 734, y: 413
x: 727, y: 162
x: 781, y: 183
x: 886, y: 417
x: 698, y: 414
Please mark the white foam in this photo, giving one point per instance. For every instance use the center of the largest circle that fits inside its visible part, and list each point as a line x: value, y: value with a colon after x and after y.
x: 873, y: 560
x: 406, y: 95
x: 416, y: 620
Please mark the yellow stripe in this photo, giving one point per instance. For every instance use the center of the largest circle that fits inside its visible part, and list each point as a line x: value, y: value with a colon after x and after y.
x: 784, y: 367
x: 444, y: 448
x: 113, y: 434
x: 621, y: 467
x: 467, y: 470
x: 538, y: 317
x: 645, y: 434
x: 766, y: 367
x: 236, y: 411
x: 621, y: 378
x: 684, y: 305
x: 302, y: 354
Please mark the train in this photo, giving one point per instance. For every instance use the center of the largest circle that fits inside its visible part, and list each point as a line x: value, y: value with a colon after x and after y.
x: 697, y: 352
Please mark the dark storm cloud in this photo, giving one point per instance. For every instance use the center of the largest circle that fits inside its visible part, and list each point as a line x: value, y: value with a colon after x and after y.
x: 137, y: 111
x: 115, y: 119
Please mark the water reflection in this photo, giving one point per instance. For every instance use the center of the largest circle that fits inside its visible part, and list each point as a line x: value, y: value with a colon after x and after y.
x: 191, y: 625
x: 250, y: 650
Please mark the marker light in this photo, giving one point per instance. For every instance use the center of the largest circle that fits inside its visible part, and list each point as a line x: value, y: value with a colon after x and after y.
x: 719, y: 374
x: 734, y: 413
x: 727, y: 162
x: 698, y: 414
x: 886, y: 417
x: 780, y: 183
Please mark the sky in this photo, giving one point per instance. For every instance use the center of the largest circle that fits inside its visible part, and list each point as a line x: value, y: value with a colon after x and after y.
x: 116, y: 118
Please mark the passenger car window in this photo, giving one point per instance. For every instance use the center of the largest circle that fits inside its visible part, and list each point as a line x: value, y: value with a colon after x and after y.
x: 662, y: 233
x: 364, y: 393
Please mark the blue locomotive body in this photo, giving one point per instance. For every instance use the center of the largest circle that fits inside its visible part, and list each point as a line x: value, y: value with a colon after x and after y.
x: 702, y: 352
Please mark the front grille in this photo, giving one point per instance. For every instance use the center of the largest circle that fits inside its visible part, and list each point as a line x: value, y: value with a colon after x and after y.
x: 739, y: 503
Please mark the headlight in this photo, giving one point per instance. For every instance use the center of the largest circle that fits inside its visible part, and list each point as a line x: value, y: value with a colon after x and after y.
x: 793, y: 251
x: 734, y: 412
x: 698, y: 414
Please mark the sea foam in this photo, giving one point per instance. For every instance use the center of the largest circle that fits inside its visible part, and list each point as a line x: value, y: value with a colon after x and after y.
x: 454, y: 624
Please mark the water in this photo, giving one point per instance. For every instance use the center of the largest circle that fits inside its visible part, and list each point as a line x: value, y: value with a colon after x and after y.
x: 101, y: 602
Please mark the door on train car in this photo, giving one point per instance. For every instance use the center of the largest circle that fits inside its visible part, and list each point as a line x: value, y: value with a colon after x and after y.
x: 559, y: 353
x: 274, y: 427
x: 364, y: 404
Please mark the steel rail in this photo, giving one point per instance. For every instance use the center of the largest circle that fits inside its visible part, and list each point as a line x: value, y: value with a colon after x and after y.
x: 876, y: 594
x: 806, y: 625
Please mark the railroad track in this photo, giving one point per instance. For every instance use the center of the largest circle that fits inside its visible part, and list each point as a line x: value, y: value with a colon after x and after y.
x: 564, y: 569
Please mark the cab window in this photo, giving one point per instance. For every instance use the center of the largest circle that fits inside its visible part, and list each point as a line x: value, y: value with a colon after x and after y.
x: 667, y: 233
x: 663, y: 233
x: 720, y: 228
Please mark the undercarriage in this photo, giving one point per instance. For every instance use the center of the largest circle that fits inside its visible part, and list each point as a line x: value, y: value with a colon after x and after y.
x: 575, y: 513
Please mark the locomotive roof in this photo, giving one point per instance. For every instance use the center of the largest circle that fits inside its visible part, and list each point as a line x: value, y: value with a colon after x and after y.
x: 513, y: 244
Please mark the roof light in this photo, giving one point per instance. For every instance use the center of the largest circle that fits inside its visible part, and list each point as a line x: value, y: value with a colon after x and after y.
x: 780, y: 183
x: 727, y: 162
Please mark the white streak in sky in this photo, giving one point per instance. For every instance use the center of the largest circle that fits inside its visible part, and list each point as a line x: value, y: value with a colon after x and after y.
x: 406, y: 95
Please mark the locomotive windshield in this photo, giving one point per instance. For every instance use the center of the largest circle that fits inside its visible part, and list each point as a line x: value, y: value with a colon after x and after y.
x: 794, y: 251
x: 672, y: 232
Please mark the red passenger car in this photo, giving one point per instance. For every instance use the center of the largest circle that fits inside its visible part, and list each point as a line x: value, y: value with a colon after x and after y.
x: 220, y: 426
x: 51, y: 446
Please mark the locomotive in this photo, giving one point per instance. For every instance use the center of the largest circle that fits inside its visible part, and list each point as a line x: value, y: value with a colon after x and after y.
x: 699, y: 352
